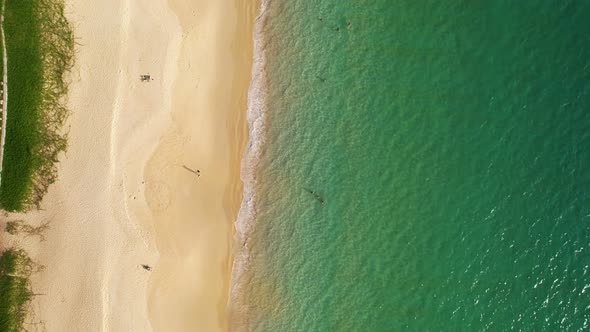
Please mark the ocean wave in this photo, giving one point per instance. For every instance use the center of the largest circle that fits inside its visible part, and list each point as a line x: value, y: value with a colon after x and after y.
x: 256, y: 117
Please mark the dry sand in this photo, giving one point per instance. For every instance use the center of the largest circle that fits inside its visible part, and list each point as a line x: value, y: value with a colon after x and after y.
x: 123, y: 197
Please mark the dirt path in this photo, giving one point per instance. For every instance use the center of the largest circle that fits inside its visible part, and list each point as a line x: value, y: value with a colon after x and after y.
x: 3, y: 91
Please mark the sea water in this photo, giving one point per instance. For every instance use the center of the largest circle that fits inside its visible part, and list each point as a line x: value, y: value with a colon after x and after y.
x: 417, y: 165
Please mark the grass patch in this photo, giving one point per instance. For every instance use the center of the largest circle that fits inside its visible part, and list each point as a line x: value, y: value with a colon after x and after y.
x: 15, y: 289
x: 40, y: 49
x: 19, y: 227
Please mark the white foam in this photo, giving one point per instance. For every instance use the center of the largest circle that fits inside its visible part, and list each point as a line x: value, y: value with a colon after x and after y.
x: 256, y: 116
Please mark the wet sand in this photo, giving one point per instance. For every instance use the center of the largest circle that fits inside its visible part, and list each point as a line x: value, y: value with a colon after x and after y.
x: 194, y: 213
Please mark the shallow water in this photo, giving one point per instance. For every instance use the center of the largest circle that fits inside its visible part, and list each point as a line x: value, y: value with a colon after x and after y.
x: 450, y: 142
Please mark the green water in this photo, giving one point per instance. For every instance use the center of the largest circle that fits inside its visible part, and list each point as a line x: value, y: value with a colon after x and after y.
x: 450, y: 141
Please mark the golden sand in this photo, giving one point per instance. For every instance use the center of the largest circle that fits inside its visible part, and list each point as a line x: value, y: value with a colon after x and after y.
x: 126, y: 195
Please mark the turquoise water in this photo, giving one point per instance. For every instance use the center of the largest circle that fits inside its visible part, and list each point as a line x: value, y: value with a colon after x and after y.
x: 450, y: 142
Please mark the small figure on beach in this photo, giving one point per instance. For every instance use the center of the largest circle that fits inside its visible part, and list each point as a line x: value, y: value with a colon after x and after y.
x: 195, y: 172
x: 145, y: 77
x: 146, y: 267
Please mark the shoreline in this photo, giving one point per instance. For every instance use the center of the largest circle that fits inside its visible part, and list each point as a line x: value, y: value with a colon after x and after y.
x: 256, y: 116
x: 193, y: 180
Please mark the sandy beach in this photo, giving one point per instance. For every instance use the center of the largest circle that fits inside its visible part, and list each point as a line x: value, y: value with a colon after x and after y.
x: 194, y: 213
x: 151, y: 175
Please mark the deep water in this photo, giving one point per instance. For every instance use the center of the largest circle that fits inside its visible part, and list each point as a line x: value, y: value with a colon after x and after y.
x: 450, y: 143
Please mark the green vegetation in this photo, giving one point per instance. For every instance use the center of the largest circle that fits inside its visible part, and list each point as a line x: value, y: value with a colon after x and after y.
x: 40, y: 49
x: 15, y: 289
x: 17, y: 227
